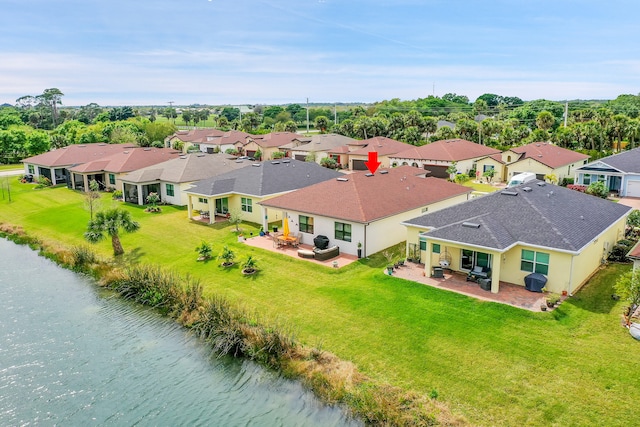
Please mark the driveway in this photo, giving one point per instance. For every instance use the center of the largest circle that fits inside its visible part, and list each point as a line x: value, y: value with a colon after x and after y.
x: 633, y: 202
x: 12, y: 172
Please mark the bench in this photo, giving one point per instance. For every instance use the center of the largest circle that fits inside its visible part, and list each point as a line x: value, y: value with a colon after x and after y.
x: 305, y: 253
x: 325, y: 254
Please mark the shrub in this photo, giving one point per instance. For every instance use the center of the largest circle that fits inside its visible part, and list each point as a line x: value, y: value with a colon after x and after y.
x: 620, y: 250
x: 82, y: 258
x: 204, y: 250
x: 227, y: 255
x: 598, y: 189
x: 577, y: 187
x: 328, y: 162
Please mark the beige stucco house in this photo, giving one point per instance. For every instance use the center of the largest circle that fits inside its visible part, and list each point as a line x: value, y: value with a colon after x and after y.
x: 382, y: 146
x: 269, y: 143
x: 542, y: 158
x: 108, y: 170
x: 243, y: 189
x: 437, y: 156
x: 532, y: 228
x: 365, y: 208
x: 55, y: 164
x: 171, y: 179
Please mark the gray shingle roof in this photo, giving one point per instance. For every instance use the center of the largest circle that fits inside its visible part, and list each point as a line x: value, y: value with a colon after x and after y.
x: 187, y: 168
x: 270, y: 177
x: 547, y: 216
x: 627, y: 161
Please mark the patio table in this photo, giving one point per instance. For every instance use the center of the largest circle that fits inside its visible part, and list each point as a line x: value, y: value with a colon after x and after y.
x: 287, y: 240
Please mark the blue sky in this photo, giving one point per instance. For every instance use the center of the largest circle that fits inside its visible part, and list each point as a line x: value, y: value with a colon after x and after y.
x: 142, y: 52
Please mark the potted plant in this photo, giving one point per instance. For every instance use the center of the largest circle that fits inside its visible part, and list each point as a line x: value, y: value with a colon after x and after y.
x: 227, y: 256
x: 359, y: 249
x: 552, y: 299
x: 249, y: 266
x: 240, y: 238
x: 204, y: 250
x: 261, y: 231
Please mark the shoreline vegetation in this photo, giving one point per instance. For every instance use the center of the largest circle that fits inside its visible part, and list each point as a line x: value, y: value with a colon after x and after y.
x: 232, y: 330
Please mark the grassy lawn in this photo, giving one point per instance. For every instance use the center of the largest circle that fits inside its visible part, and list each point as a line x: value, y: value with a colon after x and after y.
x: 11, y: 167
x: 481, y: 187
x: 494, y: 364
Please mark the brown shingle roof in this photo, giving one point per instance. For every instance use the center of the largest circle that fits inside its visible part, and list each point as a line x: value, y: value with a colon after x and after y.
x: 76, y: 154
x: 361, y: 198
x: 277, y: 139
x: 447, y: 150
x: 197, y: 136
x: 382, y: 145
x: 128, y: 160
x: 549, y: 154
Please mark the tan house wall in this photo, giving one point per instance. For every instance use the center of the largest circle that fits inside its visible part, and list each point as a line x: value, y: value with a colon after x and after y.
x: 497, y: 166
x: 567, y: 272
x: 531, y: 165
x: 379, y: 234
x: 384, y: 160
x: 462, y: 166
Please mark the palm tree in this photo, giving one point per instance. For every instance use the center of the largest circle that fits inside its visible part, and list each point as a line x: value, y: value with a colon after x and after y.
x: 111, y: 221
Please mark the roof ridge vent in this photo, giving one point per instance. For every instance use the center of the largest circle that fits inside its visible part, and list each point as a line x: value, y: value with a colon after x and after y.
x: 286, y: 161
x: 509, y: 193
x: 541, y: 184
x: 275, y: 163
x: 384, y: 172
x: 471, y: 224
x: 342, y: 179
x: 368, y: 174
x: 257, y: 165
x: 527, y: 189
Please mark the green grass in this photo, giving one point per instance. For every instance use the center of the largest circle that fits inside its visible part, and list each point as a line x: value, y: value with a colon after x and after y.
x: 482, y: 187
x: 493, y: 364
x: 11, y: 167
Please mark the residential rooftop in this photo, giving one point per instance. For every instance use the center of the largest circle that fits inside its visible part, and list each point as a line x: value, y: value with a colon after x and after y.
x: 363, y: 197
x: 449, y: 150
x: 534, y: 213
x: 549, y: 154
x: 265, y: 178
x: 186, y: 168
x: 76, y: 154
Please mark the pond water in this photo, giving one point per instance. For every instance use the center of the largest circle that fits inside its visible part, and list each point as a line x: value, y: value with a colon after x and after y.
x: 72, y: 353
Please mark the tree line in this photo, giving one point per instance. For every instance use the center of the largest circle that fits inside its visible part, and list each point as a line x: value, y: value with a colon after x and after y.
x: 38, y: 123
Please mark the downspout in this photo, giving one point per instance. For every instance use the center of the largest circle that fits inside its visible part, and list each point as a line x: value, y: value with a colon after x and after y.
x: 571, y: 275
x: 364, y: 245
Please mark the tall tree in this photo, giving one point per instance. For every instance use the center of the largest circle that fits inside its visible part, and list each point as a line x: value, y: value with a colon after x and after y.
x: 52, y: 98
x: 112, y: 222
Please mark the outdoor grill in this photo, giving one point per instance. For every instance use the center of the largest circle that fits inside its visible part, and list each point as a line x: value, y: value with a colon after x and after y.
x: 321, y: 242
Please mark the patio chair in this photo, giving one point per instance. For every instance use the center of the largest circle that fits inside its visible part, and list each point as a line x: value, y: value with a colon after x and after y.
x: 479, y: 273
x: 296, y: 242
x: 276, y: 242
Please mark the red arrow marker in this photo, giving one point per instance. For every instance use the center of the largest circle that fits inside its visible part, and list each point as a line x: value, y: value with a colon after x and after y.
x: 373, y: 162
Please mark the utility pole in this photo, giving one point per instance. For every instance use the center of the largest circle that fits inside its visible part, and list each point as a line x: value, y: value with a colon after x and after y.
x: 307, y: 115
x: 170, y: 103
x: 335, y: 113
